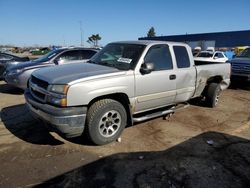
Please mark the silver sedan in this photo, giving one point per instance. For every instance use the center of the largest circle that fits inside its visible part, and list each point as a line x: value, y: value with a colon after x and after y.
x: 19, y: 75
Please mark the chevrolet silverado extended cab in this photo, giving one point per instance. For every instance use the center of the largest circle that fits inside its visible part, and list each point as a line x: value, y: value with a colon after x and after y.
x: 125, y: 82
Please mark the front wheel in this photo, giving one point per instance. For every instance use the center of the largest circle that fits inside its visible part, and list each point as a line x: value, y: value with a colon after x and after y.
x: 213, y: 94
x: 106, y: 120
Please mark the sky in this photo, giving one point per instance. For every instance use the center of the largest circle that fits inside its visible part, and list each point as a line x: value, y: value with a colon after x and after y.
x: 58, y: 22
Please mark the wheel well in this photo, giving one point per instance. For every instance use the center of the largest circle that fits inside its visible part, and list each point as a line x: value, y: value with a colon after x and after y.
x: 215, y: 79
x: 120, y: 97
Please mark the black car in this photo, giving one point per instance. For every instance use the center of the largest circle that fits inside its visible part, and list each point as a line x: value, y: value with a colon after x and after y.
x: 8, y: 59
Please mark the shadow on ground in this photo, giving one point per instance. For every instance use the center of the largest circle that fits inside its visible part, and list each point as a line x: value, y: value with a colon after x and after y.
x: 208, y: 160
x: 240, y: 84
x: 20, y: 123
x: 5, y: 88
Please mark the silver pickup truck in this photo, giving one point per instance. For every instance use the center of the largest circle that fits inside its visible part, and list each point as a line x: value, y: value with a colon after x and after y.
x: 125, y: 82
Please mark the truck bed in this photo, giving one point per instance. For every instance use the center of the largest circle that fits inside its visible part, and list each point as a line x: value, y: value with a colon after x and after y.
x: 207, y: 71
x: 197, y: 62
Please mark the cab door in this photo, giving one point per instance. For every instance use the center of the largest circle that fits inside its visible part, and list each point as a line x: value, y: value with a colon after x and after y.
x: 185, y: 74
x: 157, y: 88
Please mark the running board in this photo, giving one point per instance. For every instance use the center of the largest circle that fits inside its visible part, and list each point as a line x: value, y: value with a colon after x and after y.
x: 161, y: 113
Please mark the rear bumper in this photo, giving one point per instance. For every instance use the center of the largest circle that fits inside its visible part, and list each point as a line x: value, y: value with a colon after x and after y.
x: 68, y: 121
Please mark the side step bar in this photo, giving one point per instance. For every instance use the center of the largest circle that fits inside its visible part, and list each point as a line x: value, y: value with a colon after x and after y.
x: 161, y: 113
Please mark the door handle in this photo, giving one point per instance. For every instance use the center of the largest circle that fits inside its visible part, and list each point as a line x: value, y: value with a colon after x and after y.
x: 172, y: 77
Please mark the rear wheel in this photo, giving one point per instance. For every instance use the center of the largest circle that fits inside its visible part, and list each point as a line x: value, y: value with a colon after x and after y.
x: 213, y: 94
x: 106, y: 120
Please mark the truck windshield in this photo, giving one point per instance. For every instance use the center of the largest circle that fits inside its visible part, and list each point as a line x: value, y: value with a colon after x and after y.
x: 49, y: 56
x: 118, y: 55
x: 245, y: 53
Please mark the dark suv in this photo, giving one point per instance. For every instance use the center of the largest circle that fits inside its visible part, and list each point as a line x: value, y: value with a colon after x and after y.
x: 241, y: 66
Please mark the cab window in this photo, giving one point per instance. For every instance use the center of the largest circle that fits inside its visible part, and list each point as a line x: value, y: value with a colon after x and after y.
x: 181, y: 56
x: 160, y: 56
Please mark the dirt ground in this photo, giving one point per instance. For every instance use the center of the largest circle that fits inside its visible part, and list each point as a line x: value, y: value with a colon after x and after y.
x: 196, y: 147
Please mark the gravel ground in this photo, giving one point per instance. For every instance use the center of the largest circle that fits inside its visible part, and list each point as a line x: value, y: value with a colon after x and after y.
x: 196, y: 147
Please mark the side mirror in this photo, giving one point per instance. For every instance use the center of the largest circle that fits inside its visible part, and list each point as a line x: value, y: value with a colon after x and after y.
x: 215, y: 57
x: 147, y: 68
x: 56, y: 61
x: 59, y: 61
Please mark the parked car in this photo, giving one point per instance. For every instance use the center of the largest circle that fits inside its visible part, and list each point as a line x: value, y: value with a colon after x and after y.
x: 9, y: 59
x: 205, y: 57
x: 18, y: 75
x: 125, y: 82
x: 241, y: 66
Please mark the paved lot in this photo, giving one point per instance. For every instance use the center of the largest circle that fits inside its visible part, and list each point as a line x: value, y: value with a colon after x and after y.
x: 196, y: 147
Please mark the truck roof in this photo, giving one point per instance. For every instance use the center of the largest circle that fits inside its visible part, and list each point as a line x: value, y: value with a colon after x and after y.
x: 148, y: 42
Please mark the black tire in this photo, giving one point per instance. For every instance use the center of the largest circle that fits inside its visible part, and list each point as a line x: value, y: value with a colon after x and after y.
x: 105, y: 121
x: 213, y: 93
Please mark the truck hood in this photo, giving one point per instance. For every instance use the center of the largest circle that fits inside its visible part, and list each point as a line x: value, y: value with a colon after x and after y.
x: 65, y: 74
x: 240, y: 60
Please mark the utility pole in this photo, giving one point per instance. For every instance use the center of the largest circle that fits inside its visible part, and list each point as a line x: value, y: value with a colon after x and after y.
x: 81, y: 33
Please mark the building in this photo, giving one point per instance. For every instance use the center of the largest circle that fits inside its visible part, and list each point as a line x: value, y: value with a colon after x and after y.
x: 218, y: 40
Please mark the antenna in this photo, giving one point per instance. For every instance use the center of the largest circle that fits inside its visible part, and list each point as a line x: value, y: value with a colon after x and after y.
x: 81, y: 33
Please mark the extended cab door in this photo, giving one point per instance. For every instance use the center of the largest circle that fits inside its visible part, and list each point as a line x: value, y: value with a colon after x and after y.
x: 185, y: 73
x: 157, y: 88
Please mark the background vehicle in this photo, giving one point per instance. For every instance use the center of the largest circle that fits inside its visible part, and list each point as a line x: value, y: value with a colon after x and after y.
x: 41, y: 51
x: 9, y: 59
x: 239, y: 49
x: 125, y: 82
x: 205, y: 57
x: 241, y: 65
x: 18, y: 75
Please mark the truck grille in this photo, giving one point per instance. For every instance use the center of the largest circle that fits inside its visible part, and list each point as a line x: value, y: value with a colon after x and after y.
x: 38, y: 89
x: 241, y: 68
x: 39, y: 82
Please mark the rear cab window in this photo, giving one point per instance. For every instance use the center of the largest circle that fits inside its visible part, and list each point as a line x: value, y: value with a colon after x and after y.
x: 181, y: 56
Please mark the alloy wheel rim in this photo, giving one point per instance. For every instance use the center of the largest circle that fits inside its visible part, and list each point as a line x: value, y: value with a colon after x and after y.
x: 217, y: 98
x: 109, y: 123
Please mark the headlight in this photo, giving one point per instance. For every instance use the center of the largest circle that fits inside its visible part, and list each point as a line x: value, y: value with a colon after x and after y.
x: 58, y: 95
x: 61, y: 89
x: 13, y: 72
x: 13, y: 63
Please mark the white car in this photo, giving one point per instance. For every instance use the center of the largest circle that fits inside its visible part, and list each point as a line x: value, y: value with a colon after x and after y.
x: 213, y: 57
